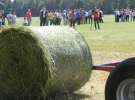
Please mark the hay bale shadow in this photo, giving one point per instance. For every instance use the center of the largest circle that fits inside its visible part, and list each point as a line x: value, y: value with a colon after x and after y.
x: 71, y: 96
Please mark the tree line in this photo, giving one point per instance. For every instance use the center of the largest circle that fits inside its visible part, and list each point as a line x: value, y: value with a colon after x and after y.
x: 35, y: 5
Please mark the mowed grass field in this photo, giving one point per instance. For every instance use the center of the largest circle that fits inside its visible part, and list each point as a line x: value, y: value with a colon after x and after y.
x: 114, y: 42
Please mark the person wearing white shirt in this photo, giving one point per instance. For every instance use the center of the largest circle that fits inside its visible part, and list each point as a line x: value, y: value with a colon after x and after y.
x: 86, y: 17
x: 14, y: 18
x: 9, y: 18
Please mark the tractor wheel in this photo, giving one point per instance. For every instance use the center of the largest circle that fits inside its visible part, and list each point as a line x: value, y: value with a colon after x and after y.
x: 121, y: 82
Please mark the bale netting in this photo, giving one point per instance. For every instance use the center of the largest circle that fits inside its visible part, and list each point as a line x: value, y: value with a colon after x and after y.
x: 69, y: 55
x: 42, y: 61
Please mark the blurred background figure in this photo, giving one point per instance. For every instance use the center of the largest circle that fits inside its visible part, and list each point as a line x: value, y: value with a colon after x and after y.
x: 9, y: 18
x: 43, y: 17
x: 28, y: 16
x: 65, y: 17
x: 101, y: 15
x: 1, y: 18
x: 72, y: 18
x: 96, y: 15
x: 25, y: 22
x: 14, y: 18
x: 50, y: 17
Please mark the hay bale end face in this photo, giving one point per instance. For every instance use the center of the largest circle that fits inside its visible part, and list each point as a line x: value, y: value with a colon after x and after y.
x: 23, y: 66
x: 44, y: 61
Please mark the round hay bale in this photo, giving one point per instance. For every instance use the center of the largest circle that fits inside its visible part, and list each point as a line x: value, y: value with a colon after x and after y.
x: 44, y: 61
x: 70, y: 57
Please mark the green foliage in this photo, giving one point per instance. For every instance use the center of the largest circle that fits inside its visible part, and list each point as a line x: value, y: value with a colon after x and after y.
x: 107, y: 5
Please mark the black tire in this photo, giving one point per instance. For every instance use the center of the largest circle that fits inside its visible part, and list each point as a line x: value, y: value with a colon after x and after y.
x: 124, y: 71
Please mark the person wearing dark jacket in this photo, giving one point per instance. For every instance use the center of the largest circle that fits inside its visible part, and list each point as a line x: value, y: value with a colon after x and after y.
x: 43, y: 17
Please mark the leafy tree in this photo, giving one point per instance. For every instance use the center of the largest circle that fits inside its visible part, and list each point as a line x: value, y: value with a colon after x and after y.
x: 107, y: 5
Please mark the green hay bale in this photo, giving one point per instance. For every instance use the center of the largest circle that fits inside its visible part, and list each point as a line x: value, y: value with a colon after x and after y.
x: 44, y: 61
x: 70, y: 57
x: 23, y: 65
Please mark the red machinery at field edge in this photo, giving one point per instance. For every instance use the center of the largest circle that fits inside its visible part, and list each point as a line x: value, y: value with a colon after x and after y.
x: 120, y: 84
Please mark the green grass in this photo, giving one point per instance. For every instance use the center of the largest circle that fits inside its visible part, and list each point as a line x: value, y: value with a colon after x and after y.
x: 118, y: 37
x: 115, y: 41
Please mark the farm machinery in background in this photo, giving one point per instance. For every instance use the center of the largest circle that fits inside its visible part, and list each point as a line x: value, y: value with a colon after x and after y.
x: 120, y: 84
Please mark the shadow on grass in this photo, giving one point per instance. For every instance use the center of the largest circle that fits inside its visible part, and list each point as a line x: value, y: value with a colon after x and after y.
x: 72, y: 96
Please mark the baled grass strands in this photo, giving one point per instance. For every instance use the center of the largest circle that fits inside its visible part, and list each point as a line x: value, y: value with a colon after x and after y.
x: 42, y: 61
x: 23, y: 65
x: 70, y: 57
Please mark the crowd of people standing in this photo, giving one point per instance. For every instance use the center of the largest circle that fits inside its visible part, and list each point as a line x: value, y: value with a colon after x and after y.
x: 11, y: 18
x: 124, y: 15
x: 69, y: 17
